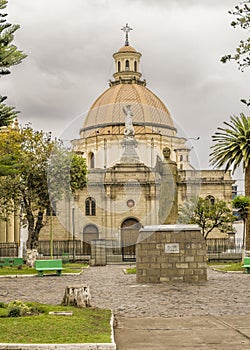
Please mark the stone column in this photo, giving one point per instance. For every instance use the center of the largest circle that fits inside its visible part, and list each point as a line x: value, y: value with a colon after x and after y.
x: 10, y: 235
x: 2, y: 231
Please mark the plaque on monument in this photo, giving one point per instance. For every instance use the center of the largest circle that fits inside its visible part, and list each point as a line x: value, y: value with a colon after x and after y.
x: 172, y: 248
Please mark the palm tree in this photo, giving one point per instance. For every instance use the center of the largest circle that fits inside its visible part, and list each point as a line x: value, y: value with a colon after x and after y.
x: 232, y: 148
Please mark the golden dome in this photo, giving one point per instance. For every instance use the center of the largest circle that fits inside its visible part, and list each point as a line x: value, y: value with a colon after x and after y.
x: 150, y: 115
x: 127, y: 48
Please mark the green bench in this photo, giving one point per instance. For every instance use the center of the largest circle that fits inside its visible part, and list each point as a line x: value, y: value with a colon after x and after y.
x: 48, y: 265
x: 247, y: 264
x: 9, y: 262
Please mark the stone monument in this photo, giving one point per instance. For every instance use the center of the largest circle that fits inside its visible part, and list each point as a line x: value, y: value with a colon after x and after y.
x: 169, y: 253
x: 129, y: 142
x: 168, y: 206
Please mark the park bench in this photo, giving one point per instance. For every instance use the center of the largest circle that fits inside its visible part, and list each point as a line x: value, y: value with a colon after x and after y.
x: 247, y: 264
x: 48, y: 265
x: 9, y: 262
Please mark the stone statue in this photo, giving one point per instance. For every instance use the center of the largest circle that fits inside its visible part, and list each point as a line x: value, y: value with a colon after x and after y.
x: 166, y: 153
x: 129, y: 129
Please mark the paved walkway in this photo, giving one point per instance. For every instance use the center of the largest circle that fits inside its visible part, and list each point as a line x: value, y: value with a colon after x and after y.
x: 147, y: 312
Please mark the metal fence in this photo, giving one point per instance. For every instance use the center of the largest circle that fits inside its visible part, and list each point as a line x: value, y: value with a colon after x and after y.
x: 76, y: 249
x: 224, y: 245
x: 9, y: 249
x: 217, y: 249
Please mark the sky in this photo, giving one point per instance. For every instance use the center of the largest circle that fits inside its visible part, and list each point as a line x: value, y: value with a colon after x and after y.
x: 70, y: 44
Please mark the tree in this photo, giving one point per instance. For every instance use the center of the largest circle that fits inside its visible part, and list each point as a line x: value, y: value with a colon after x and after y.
x: 7, y: 113
x: 43, y: 174
x: 209, y: 216
x: 242, y: 204
x: 232, y: 149
x: 242, y: 54
x: 9, y: 56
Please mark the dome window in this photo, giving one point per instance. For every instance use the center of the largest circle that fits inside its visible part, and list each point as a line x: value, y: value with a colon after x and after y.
x: 91, y: 160
x: 127, y: 65
x: 119, y: 66
x: 135, y: 66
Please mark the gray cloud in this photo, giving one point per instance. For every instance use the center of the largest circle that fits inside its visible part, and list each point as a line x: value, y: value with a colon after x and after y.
x: 70, y: 46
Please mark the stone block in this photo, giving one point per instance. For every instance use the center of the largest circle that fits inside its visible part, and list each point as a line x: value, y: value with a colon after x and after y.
x: 193, y: 265
x: 153, y: 272
x: 164, y: 279
x: 202, y: 265
x: 177, y: 278
x: 189, y: 258
x: 166, y: 265
x: 154, y: 266
x: 190, y: 278
x: 160, y: 246
x: 199, y: 258
x: 182, y: 265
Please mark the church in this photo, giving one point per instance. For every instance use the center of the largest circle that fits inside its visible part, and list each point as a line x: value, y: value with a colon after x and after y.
x: 139, y: 170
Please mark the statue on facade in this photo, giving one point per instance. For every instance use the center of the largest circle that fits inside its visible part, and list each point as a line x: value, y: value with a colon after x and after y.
x: 166, y: 153
x: 129, y: 129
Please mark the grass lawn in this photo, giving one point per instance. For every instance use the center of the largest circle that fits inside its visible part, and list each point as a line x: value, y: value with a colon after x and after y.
x: 229, y: 267
x: 25, y: 270
x: 131, y: 271
x: 224, y: 267
x: 87, y: 325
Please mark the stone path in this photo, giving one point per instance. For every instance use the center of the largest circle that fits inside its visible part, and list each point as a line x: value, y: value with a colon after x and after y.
x: 223, y: 294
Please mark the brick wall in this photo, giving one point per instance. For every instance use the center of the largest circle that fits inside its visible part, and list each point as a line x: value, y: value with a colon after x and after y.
x: 171, y: 253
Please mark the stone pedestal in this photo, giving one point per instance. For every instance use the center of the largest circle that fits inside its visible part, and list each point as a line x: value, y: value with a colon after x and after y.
x: 169, y: 253
x: 129, y: 154
x: 98, y: 252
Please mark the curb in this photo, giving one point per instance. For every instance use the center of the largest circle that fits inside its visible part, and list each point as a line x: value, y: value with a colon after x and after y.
x: 90, y: 346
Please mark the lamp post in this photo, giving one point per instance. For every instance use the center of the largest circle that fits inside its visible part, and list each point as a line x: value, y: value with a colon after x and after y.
x: 73, y: 231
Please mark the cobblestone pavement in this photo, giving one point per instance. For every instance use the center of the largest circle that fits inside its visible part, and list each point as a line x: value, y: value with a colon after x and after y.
x: 223, y: 294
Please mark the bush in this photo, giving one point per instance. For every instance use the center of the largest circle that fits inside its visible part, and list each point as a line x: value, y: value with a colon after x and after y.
x: 17, y: 308
x: 2, y: 305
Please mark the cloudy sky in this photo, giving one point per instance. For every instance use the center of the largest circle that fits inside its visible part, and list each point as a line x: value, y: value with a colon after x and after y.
x: 70, y: 43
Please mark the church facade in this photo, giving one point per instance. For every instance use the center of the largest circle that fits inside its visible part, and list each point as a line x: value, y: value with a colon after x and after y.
x: 139, y: 172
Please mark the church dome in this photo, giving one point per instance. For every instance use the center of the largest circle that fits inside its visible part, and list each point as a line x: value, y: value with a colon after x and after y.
x: 149, y: 112
x: 106, y: 115
x: 127, y: 48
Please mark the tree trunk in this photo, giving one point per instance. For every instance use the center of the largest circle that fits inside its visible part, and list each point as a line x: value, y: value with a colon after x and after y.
x: 247, y: 193
x: 78, y: 296
x: 34, y: 229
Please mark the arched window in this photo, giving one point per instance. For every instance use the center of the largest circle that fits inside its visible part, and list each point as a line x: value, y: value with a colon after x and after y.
x: 211, y: 199
x: 91, y: 160
x: 119, y: 66
x: 135, y: 66
x: 127, y: 65
x: 90, y: 207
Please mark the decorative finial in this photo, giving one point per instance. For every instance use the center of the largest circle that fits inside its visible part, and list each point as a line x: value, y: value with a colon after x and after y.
x: 126, y: 30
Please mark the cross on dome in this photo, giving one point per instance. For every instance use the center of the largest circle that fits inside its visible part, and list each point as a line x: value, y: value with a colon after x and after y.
x: 126, y: 30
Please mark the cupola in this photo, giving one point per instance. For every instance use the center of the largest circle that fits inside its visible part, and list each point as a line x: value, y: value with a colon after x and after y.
x: 127, y: 63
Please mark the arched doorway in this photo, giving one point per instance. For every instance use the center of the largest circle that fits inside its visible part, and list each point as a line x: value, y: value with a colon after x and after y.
x: 129, y: 234
x: 90, y: 232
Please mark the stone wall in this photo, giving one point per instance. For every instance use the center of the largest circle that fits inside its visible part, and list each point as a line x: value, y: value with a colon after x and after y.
x: 169, y: 253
